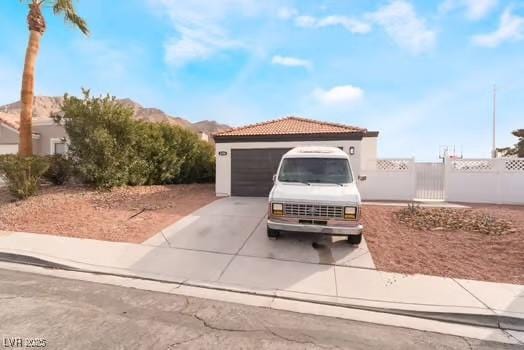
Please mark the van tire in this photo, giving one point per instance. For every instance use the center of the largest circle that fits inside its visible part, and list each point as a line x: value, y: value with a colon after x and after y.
x: 274, y: 234
x: 355, y: 239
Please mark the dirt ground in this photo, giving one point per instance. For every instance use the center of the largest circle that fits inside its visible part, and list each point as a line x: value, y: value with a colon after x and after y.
x: 131, y: 214
x: 468, y: 255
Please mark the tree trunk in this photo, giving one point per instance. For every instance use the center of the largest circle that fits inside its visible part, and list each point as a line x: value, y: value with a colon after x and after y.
x: 27, y: 94
x: 36, y: 24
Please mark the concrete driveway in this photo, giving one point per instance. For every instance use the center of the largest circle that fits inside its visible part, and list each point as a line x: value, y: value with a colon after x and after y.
x: 237, y: 226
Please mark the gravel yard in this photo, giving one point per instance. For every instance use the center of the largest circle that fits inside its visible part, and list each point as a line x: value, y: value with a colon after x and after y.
x: 397, y: 247
x: 131, y: 214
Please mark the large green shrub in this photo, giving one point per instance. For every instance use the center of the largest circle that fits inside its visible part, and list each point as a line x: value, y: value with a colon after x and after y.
x: 60, y: 169
x: 201, y: 164
x: 109, y: 148
x: 22, y: 174
x: 103, y: 140
x: 158, y: 147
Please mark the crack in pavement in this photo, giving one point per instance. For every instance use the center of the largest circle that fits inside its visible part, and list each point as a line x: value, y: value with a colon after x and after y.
x: 263, y: 330
x: 511, y: 336
x: 208, y: 325
x: 470, y: 346
x: 186, y: 305
x: 174, y: 345
x: 274, y: 333
x: 165, y: 238
x: 215, y: 328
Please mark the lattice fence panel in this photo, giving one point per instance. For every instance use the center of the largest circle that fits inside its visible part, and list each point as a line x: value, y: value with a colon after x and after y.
x: 516, y: 164
x: 473, y: 165
x: 393, y: 164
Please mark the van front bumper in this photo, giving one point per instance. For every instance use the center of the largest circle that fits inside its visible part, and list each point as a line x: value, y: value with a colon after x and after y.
x: 328, y: 230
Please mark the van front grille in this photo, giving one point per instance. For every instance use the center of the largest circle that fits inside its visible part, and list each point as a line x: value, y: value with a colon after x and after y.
x: 313, y: 210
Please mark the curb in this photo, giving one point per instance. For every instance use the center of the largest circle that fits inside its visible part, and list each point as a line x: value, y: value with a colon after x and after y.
x: 490, y: 321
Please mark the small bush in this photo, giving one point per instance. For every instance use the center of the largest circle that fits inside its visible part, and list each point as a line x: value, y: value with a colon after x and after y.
x: 22, y: 174
x: 60, y: 169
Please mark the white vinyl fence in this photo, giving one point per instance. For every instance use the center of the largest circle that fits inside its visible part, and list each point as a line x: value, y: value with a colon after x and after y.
x: 388, y: 179
x: 498, y: 181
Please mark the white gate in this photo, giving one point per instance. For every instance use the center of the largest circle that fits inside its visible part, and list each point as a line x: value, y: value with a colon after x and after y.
x: 429, y: 181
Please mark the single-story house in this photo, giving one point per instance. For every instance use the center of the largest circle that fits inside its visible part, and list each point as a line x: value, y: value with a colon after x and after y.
x: 48, y: 137
x: 247, y: 157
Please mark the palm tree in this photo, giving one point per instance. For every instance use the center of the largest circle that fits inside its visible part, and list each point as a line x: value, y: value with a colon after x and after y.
x: 37, y: 26
x: 518, y: 148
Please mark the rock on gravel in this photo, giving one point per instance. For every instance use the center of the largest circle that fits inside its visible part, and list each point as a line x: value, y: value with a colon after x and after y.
x: 451, y: 219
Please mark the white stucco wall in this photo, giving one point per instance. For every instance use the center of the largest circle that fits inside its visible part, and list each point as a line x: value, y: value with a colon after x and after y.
x: 223, y: 163
x: 8, y: 149
x: 368, y: 152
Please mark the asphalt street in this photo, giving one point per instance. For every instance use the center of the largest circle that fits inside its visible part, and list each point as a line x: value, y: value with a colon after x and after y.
x: 69, y: 314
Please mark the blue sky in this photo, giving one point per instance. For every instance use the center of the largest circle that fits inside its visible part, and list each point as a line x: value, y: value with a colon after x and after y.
x: 420, y: 72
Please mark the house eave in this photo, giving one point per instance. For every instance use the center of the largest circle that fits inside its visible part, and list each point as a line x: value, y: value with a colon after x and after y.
x: 35, y: 136
x: 353, y: 136
x: 371, y: 134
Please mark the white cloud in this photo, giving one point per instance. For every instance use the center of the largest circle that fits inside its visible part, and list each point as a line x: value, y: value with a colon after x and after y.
x: 511, y: 28
x: 286, y: 13
x: 200, y: 25
x: 305, y: 21
x: 197, y: 45
x: 404, y: 26
x: 339, y: 95
x: 475, y: 9
x: 352, y: 25
x: 291, y: 62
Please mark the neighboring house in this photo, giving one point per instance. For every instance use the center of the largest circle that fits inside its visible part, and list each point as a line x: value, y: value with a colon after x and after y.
x: 203, y: 136
x: 48, y: 137
x: 248, y: 157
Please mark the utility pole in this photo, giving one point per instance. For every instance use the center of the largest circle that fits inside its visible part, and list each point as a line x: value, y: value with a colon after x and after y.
x: 494, y: 147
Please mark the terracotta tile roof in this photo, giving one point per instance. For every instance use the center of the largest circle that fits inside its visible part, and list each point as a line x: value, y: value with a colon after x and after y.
x: 8, y: 120
x: 290, y: 126
x: 11, y: 121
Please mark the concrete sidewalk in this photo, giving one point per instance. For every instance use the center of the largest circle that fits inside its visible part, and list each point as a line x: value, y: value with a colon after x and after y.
x: 346, y: 285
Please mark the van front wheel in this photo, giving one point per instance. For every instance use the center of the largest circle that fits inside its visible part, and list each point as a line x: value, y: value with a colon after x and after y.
x: 274, y: 234
x: 355, y: 239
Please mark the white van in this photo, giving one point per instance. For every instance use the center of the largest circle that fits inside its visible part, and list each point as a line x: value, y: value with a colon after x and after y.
x: 315, y: 191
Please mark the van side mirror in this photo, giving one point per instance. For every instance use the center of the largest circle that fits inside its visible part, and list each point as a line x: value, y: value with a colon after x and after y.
x: 362, y: 177
x: 274, y: 177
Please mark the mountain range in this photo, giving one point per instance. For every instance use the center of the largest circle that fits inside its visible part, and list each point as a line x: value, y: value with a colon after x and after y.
x: 44, y: 106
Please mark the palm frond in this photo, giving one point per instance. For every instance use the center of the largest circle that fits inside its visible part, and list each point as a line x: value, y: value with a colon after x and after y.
x: 66, y: 8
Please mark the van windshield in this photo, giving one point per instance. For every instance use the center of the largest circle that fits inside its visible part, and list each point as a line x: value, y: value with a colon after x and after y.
x: 315, y: 170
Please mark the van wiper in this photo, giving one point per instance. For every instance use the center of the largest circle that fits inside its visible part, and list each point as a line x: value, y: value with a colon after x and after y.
x: 298, y: 182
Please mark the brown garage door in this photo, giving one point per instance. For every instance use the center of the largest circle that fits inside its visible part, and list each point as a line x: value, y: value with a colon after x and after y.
x: 252, y: 170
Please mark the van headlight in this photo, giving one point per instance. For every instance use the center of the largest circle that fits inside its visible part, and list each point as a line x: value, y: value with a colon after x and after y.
x: 277, y: 209
x: 350, y: 213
